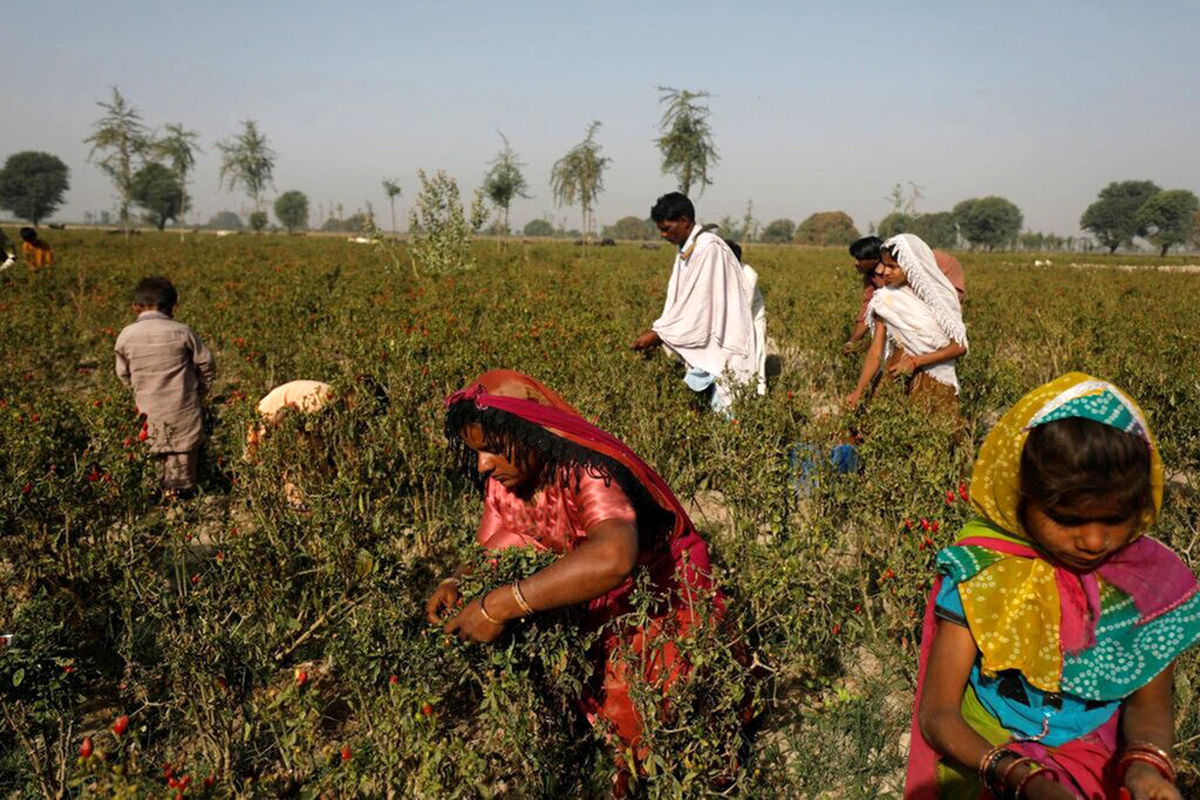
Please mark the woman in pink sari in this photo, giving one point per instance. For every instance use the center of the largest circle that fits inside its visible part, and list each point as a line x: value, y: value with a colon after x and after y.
x: 553, y: 481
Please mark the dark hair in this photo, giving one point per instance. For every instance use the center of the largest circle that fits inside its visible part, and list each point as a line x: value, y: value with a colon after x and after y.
x: 29, y: 235
x: 866, y: 249
x: 155, y: 293
x: 736, y: 248
x: 671, y: 206
x: 560, y: 459
x: 1075, y: 461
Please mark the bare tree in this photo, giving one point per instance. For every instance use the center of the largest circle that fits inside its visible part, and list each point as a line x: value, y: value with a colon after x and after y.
x: 686, y: 142
x: 121, y: 134
x: 579, y: 175
x: 248, y: 161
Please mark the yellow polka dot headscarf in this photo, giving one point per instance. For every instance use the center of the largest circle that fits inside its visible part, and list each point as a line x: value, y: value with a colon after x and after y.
x: 995, y: 482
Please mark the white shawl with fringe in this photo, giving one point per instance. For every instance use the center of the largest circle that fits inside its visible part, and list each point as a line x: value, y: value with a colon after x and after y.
x: 707, y: 318
x: 925, y: 315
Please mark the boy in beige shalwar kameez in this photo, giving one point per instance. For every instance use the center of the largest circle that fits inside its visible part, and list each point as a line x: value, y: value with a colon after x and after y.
x: 169, y: 369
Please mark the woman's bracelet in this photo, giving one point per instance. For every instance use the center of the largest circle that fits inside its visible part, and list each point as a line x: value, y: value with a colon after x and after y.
x: 987, y: 765
x: 483, y: 610
x: 1144, y: 746
x: 520, y: 598
x: 1034, y: 766
x: 1038, y: 771
x: 1164, y: 766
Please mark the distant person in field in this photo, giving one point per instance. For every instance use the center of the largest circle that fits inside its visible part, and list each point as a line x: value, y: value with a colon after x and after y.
x: 8, y: 255
x: 1052, y: 629
x: 758, y: 309
x: 309, y: 398
x: 917, y: 327
x: 707, y: 318
x: 35, y: 250
x: 554, y: 482
x: 169, y: 369
x: 303, y: 396
x: 868, y: 260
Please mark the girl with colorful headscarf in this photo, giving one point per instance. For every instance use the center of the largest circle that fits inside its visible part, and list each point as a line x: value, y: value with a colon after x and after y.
x: 1051, y: 631
x: 553, y: 481
x: 918, y: 331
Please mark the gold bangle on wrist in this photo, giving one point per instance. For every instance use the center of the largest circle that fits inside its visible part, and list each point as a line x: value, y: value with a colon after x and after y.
x: 483, y: 610
x: 520, y: 598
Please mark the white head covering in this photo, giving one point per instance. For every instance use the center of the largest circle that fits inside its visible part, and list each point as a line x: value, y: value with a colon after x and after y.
x: 930, y: 284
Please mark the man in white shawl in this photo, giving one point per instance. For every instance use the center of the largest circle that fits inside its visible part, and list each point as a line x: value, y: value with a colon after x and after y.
x: 918, y: 330
x: 707, y: 319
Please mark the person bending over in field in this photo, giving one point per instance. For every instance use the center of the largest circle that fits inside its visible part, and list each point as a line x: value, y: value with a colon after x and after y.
x: 918, y: 330
x: 169, y: 369
x: 1052, y: 628
x: 553, y: 481
x: 868, y: 260
x: 35, y: 250
x: 308, y: 398
x: 707, y: 319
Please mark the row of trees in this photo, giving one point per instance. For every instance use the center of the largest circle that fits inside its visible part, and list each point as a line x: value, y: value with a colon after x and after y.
x: 149, y: 168
x: 1128, y: 209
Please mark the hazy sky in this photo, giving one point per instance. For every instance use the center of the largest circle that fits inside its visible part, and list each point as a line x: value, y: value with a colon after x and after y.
x: 816, y: 106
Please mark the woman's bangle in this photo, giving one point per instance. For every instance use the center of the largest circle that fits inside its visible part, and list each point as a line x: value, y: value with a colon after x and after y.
x: 991, y: 759
x: 1034, y: 766
x: 520, y: 598
x: 1037, y: 772
x: 483, y: 610
x: 1144, y: 746
x: 1165, y: 768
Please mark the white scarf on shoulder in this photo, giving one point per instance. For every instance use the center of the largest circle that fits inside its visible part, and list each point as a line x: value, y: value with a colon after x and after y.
x: 925, y: 315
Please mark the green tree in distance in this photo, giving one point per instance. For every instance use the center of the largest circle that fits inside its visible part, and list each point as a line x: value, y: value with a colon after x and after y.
x: 937, y: 229
x: 291, y: 208
x: 1112, y: 219
x: 895, y: 223
x: 247, y: 161
x: 579, y: 176
x: 225, y: 220
x: 121, y: 136
x: 157, y: 189
x: 827, y: 229
x: 538, y: 227
x: 779, y: 231
x: 504, y: 180
x: 391, y: 188
x: 32, y: 185
x: 686, y: 142
x: 631, y: 228
x: 989, y: 222
x: 1169, y: 218
x: 178, y: 147
x: 258, y: 221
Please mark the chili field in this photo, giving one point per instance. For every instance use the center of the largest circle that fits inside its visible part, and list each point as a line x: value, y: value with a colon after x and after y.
x: 232, y: 644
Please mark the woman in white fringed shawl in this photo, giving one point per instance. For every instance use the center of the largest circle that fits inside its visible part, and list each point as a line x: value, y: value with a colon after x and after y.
x: 918, y: 327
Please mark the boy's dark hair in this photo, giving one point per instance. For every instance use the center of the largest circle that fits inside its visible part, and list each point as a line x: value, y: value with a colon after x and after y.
x: 1076, y: 461
x: 671, y: 206
x: 155, y: 293
x: 868, y: 248
x: 736, y: 248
